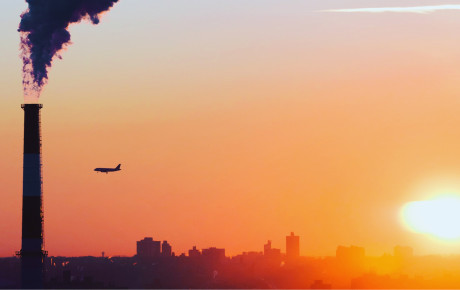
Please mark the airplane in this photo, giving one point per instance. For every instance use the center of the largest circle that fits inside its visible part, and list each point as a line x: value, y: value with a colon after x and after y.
x: 107, y: 170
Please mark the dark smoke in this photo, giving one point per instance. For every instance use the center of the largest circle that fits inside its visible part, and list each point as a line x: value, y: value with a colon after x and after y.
x: 44, y: 33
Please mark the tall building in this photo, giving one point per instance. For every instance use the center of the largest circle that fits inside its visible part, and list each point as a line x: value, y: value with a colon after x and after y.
x: 213, y: 255
x: 267, y: 248
x: 270, y: 252
x: 166, y: 249
x: 148, y: 248
x: 272, y: 256
x: 292, y: 247
x: 193, y: 253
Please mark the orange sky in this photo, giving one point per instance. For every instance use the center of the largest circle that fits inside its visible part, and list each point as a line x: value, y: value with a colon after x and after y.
x: 238, y: 126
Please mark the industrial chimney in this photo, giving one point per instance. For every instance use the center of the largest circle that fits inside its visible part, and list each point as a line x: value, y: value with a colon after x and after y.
x: 32, y: 252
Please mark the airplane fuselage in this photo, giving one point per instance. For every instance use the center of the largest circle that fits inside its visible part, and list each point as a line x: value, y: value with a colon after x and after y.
x: 107, y: 170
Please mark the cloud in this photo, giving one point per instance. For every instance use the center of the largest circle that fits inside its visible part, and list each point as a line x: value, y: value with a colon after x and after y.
x: 415, y: 9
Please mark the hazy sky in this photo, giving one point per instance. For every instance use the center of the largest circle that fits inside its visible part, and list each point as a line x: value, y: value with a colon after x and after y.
x: 236, y: 122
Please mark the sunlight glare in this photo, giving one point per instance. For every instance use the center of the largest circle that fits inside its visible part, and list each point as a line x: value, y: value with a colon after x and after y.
x: 438, y: 217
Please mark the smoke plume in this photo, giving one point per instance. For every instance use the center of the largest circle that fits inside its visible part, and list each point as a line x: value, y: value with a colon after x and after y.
x: 44, y: 33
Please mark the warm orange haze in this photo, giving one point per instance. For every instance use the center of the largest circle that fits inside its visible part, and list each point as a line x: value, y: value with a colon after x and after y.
x: 238, y: 122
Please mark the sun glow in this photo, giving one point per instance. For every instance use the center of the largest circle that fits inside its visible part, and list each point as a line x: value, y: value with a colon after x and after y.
x: 438, y: 217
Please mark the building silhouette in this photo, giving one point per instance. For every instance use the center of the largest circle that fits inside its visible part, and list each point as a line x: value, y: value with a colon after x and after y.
x: 267, y: 248
x: 211, y: 269
x: 213, y: 255
x: 292, y: 247
x: 166, y: 249
x: 194, y: 253
x: 270, y: 252
x: 148, y: 248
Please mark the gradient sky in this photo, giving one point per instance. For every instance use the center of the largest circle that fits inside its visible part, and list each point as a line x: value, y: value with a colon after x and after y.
x: 238, y: 121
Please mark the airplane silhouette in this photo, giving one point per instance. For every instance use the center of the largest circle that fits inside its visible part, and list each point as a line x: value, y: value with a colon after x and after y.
x: 107, y: 170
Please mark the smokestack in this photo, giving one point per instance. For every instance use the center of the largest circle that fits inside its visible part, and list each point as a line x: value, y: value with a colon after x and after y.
x: 32, y: 252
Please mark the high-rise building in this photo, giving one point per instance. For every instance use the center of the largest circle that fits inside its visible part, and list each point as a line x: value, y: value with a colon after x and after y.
x: 272, y: 255
x: 166, y: 249
x: 213, y: 255
x: 193, y: 253
x: 267, y: 248
x: 292, y: 247
x: 270, y: 252
x: 148, y: 248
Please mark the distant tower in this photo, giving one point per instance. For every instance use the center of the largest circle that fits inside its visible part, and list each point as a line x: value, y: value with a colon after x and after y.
x: 194, y: 253
x: 166, y: 249
x: 267, y: 248
x: 271, y: 253
x: 292, y: 247
x: 148, y: 248
x: 32, y: 252
x: 213, y: 255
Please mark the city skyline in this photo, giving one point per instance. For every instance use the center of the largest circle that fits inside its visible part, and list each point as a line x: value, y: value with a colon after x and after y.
x: 239, y: 125
x: 156, y: 266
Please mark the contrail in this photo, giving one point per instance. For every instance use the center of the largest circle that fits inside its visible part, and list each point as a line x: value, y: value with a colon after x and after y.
x: 415, y: 9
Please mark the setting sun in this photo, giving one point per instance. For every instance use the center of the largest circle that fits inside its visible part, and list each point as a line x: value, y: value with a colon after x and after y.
x: 438, y: 217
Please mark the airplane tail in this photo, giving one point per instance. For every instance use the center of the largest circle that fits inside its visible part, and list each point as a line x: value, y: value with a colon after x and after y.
x: 118, y: 167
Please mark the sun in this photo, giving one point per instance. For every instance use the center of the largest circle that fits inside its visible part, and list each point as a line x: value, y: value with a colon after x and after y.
x: 438, y: 217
